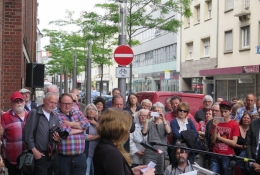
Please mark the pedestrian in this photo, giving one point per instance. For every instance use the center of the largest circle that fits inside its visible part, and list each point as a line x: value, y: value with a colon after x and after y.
x: 51, y: 88
x: 72, y: 159
x: 13, y: 122
x: 78, y: 105
x: 29, y: 104
x: 168, y: 106
x: 207, y: 103
x: 44, y: 144
x: 100, y: 103
x: 249, y: 107
x: 132, y: 105
x: 115, y: 91
x: 146, y: 104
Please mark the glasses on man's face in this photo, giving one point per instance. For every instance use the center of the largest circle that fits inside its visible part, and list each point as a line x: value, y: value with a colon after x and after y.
x: 180, y: 152
x: 18, y: 101
x: 180, y: 110
x: 66, y: 104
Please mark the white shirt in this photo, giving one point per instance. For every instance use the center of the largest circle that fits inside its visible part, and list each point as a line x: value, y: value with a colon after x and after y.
x: 47, y: 115
x: 183, y: 126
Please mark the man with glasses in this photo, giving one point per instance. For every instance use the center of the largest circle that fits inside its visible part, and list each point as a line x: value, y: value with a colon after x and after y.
x: 181, y: 164
x: 207, y: 103
x: 72, y: 159
x: 13, y: 123
x: 78, y: 105
x: 29, y: 104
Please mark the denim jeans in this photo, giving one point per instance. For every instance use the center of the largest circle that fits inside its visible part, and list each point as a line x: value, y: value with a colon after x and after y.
x: 220, y: 165
x: 90, y: 166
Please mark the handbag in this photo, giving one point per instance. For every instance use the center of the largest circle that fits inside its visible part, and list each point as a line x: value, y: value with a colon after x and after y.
x: 25, y: 160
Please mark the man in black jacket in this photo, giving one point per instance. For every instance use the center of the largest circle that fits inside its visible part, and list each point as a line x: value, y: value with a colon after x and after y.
x: 42, y: 143
x: 29, y: 105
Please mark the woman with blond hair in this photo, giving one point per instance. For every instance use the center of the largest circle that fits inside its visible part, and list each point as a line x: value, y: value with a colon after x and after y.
x: 110, y: 157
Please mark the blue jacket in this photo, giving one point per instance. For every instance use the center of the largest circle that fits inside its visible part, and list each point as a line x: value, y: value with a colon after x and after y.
x: 175, y: 129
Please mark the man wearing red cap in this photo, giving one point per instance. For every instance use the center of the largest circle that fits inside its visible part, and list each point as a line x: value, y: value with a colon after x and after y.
x: 13, y: 122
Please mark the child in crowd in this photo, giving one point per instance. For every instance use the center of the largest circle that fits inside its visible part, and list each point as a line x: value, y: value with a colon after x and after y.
x: 224, y: 138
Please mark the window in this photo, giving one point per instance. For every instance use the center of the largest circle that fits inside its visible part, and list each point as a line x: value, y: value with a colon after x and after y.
x: 198, y: 13
x: 229, y: 4
x: 190, y: 51
x: 228, y: 41
x: 245, y: 37
x: 206, y: 43
x: 209, y: 9
x: 247, y: 4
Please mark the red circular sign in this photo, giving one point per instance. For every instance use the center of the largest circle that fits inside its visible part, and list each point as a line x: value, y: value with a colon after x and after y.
x: 123, y: 55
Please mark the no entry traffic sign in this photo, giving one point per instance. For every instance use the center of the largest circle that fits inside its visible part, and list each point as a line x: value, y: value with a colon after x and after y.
x: 123, y: 55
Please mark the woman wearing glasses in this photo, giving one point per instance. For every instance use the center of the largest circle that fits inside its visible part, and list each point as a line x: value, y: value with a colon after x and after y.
x: 181, y: 124
x: 156, y: 130
x: 92, y: 137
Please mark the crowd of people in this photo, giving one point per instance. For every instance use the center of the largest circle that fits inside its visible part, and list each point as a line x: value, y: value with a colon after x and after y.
x: 68, y: 137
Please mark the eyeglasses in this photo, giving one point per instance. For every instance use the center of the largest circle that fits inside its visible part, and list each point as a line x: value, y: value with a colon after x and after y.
x: 180, y: 110
x: 91, y: 109
x: 66, y: 104
x: 181, y: 152
x: 18, y: 101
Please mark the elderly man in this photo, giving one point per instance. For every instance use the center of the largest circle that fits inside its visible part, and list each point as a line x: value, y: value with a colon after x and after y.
x: 71, y: 151
x: 29, y: 105
x: 78, y: 106
x: 40, y: 144
x: 118, y: 102
x: 51, y: 88
x: 249, y: 107
x: 13, y: 123
x: 216, y: 110
x: 115, y: 91
x: 207, y: 103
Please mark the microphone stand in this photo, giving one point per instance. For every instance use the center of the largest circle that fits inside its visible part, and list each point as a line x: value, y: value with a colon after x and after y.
x: 233, y: 158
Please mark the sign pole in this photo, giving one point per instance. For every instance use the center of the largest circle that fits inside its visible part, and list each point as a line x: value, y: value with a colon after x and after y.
x: 122, y: 41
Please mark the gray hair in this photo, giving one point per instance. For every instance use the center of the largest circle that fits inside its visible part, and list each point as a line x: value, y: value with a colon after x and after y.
x: 207, y: 98
x: 46, y: 89
x: 49, y: 94
x: 147, y: 101
x: 159, y: 105
x: 88, y: 106
x: 136, y: 115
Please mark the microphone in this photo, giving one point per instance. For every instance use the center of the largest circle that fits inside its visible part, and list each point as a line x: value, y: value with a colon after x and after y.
x: 148, y: 146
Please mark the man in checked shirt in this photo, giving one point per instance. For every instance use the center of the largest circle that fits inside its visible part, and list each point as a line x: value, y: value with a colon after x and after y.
x: 72, y: 159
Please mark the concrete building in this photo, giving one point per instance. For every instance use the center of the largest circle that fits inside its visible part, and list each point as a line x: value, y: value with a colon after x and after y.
x: 237, y: 70
x: 156, y: 62
x: 18, y: 27
x: 199, y: 38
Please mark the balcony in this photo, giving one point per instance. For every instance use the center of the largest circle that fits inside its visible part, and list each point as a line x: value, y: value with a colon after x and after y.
x: 242, y: 9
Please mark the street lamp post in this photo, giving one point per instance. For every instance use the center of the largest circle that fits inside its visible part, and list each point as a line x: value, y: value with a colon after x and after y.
x: 88, y: 73
x: 74, y: 71
x: 122, y: 41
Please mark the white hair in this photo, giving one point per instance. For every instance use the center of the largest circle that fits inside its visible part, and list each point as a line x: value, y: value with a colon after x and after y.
x: 207, y: 98
x: 90, y: 105
x: 159, y: 105
x: 147, y: 101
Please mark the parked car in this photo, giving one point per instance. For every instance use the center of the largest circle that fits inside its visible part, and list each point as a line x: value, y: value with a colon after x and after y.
x: 194, y: 100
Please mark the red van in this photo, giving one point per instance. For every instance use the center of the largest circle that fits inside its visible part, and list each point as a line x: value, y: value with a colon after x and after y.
x: 194, y: 100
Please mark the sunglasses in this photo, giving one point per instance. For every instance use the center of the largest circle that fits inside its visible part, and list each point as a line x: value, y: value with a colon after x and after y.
x: 18, y: 101
x: 180, y: 110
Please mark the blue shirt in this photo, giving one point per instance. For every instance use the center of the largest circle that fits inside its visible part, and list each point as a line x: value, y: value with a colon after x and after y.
x: 240, y: 112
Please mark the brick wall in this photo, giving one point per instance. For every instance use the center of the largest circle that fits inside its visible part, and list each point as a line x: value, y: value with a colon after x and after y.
x: 18, y: 28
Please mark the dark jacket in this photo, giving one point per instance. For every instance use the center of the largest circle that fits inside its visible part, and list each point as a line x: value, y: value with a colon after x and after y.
x: 42, y: 135
x: 33, y: 106
x: 200, y: 115
x: 108, y: 160
x: 252, y: 137
x: 130, y: 111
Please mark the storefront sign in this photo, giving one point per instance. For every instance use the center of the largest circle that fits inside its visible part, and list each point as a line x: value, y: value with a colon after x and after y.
x: 245, y: 80
x: 251, y: 69
x: 167, y: 75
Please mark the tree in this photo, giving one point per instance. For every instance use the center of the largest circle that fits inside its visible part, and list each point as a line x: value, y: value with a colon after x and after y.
x: 147, y: 14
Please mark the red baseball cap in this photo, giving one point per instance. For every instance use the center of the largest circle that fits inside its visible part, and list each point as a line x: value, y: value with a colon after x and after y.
x: 16, y: 95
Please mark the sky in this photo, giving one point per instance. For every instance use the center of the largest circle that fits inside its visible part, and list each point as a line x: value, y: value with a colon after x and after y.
x: 51, y: 10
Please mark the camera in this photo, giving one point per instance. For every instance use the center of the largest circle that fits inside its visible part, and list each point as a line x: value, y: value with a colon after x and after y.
x: 62, y: 134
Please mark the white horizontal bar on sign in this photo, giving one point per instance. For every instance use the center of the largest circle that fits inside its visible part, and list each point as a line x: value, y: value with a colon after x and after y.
x: 124, y: 55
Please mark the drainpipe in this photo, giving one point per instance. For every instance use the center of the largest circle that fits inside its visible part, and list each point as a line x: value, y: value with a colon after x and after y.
x: 216, y: 66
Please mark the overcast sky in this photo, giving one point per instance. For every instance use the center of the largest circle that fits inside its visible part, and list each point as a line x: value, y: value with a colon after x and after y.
x: 51, y: 10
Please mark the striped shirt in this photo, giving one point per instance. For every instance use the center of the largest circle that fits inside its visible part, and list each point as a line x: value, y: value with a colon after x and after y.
x: 13, y: 135
x: 74, y: 144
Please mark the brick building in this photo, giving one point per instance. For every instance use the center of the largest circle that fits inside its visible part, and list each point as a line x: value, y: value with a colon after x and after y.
x: 18, y: 26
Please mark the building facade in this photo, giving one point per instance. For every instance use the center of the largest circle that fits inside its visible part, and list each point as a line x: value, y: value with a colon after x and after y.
x: 18, y: 26
x: 156, y: 61
x: 237, y: 71
x: 199, y: 46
